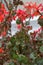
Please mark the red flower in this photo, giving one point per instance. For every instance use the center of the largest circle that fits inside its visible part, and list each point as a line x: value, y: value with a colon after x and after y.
x: 1, y: 50
x: 21, y: 14
x: 14, y: 17
x: 29, y: 27
x: 40, y: 7
x: 19, y: 26
x: 3, y: 12
x: 32, y: 8
x: 4, y: 33
x: 36, y: 13
x: 41, y: 17
x: 1, y: 18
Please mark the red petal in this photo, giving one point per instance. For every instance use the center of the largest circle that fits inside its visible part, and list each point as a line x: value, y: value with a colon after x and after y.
x: 1, y: 50
x: 41, y: 17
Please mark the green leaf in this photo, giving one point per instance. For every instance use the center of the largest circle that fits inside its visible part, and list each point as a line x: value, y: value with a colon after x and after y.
x: 32, y: 56
x: 22, y: 59
x: 15, y: 56
x: 40, y: 61
x: 11, y: 63
x: 15, y: 48
x: 18, y: 21
x: 12, y: 40
x: 8, y: 43
x: 40, y: 21
x: 27, y: 23
x: 41, y: 49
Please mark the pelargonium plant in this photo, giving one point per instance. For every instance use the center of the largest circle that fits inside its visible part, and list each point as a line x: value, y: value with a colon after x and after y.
x: 20, y: 48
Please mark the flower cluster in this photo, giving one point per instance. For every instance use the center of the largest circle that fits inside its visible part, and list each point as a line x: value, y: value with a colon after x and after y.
x: 3, y: 12
x: 33, y: 9
x: 30, y: 10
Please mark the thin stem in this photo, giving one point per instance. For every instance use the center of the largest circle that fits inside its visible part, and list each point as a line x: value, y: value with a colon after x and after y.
x: 6, y: 4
